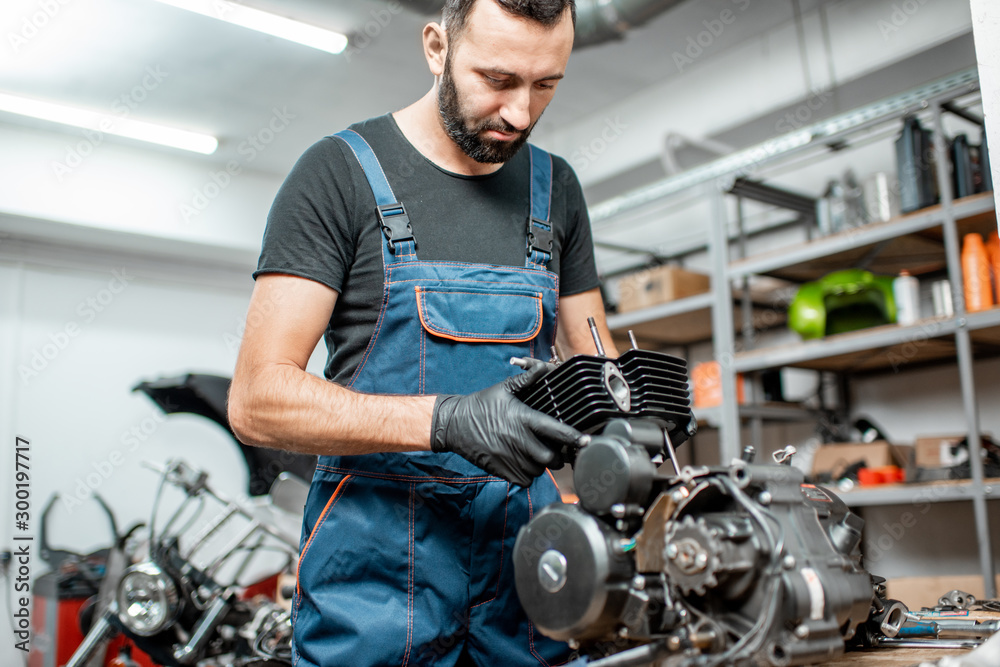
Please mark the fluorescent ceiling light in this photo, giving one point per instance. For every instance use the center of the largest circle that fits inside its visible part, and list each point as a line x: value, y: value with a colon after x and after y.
x: 271, y: 24
x: 109, y: 124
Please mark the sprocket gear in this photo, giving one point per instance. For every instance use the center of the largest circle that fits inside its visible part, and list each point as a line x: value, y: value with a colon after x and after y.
x: 692, y: 555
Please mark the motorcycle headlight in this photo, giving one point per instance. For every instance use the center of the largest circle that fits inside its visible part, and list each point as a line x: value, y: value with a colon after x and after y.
x: 147, y: 599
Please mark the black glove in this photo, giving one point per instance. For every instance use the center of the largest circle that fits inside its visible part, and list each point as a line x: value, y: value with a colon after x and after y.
x: 497, y: 432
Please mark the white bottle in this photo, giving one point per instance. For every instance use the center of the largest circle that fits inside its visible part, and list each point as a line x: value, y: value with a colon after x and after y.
x: 906, y: 291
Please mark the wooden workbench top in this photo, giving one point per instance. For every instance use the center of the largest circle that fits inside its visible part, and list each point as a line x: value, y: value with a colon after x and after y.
x: 892, y: 657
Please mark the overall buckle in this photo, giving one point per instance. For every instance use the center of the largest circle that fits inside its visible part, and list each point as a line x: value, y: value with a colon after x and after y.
x: 539, y: 238
x: 395, y: 225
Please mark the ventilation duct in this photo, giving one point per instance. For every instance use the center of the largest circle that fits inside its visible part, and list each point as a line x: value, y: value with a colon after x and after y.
x: 599, y: 21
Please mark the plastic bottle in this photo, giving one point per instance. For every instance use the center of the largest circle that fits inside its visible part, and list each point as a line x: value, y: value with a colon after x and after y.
x: 941, y: 299
x: 906, y: 291
x: 993, y: 250
x: 976, y: 274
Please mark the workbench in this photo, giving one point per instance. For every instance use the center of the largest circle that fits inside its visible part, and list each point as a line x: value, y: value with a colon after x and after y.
x: 903, y: 657
x: 892, y: 657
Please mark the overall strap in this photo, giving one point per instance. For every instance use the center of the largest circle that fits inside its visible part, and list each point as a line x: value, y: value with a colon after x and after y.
x: 392, y: 216
x: 539, y: 229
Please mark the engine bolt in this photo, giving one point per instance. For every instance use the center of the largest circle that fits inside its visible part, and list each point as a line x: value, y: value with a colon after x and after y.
x: 788, y: 562
x: 764, y: 498
x: 672, y: 551
x: 701, y: 560
x: 802, y: 631
x: 674, y: 644
x: 623, y: 632
x: 639, y: 582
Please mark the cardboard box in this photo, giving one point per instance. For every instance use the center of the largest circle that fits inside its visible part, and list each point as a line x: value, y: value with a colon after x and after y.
x: 934, y: 451
x: 706, y: 384
x: 917, y: 592
x: 836, y: 457
x: 660, y: 284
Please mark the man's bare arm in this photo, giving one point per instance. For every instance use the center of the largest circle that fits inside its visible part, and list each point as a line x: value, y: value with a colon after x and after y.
x: 274, y: 402
x: 573, y: 334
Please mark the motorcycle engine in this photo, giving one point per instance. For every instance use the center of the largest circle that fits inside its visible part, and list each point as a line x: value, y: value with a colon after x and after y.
x: 741, y: 564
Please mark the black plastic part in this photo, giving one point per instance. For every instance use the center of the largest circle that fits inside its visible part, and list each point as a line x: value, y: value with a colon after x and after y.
x: 539, y: 238
x: 770, y: 381
x: 611, y: 471
x: 57, y: 557
x: 395, y: 224
x: 915, y: 166
x: 966, y: 175
x: 637, y: 432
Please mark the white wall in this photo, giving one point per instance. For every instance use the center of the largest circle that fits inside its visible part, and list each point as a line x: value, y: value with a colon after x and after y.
x: 117, y: 186
x: 986, y: 28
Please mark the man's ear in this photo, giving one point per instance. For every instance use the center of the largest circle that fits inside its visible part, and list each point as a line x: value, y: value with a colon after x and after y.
x: 435, y: 47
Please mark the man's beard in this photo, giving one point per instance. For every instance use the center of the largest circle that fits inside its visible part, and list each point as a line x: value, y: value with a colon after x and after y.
x: 467, y: 133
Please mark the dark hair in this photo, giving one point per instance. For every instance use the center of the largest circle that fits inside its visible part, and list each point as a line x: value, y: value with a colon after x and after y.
x: 546, y: 12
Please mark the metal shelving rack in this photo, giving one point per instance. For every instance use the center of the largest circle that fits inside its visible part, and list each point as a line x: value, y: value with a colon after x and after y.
x: 873, y: 349
x: 866, y: 350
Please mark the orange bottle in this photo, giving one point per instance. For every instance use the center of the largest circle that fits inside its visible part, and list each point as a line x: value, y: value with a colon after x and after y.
x: 976, y: 274
x: 993, y: 250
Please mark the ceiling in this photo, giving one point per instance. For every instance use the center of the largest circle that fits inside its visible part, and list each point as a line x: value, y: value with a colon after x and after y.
x: 227, y: 81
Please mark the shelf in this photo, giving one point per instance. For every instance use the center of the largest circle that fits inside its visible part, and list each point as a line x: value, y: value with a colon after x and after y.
x: 917, y: 494
x: 983, y: 222
x: 877, y: 348
x: 784, y: 412
x: 916, y: 242
x: 660, y: 311
x: 901, y: 243
x: 682, y: 322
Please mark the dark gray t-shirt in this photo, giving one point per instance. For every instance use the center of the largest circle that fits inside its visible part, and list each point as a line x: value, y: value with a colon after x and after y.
x: 322, y: 226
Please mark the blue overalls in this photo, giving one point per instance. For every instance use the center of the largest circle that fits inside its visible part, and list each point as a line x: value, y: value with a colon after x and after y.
x: 406, y: 557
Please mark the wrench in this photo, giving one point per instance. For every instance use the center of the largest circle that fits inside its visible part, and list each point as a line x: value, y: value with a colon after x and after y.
x: 928, y: 643
x: 948, y: 627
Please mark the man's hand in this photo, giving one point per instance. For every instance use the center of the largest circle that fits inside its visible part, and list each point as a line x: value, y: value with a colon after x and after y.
x: 499, y: 433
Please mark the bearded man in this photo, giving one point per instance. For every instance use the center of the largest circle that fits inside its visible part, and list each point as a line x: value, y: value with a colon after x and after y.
x: 428, y: 247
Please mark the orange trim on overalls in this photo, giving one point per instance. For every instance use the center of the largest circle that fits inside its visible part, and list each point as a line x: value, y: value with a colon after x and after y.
x: 468, y: 338
x: 319, y: 522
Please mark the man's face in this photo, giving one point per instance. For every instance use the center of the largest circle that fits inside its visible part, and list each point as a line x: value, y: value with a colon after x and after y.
x: 498, y: 78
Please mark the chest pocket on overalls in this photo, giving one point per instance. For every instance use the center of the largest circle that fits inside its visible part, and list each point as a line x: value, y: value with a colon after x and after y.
x: 471, y: 318
x: 458, y: 321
